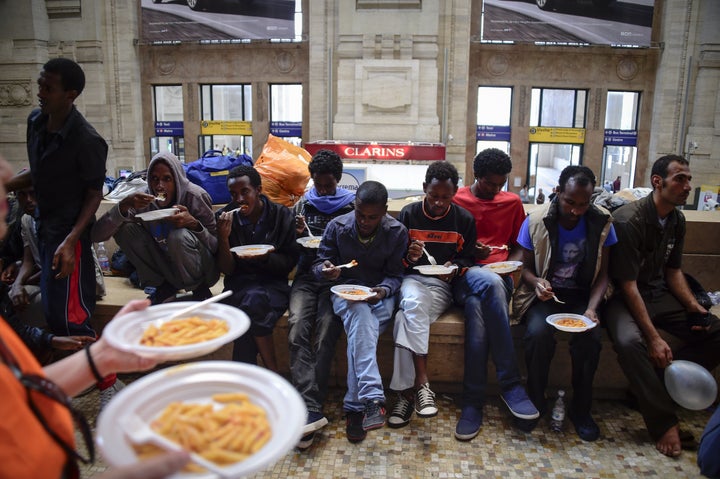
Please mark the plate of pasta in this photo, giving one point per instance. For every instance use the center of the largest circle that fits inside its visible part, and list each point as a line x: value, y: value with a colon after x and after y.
x: 504, y: 267
x: 202, y: 406
x: 155, y: 215
x: 153, y: 333
x: 353, y: 292
x: 312, y: 242
x: 252, y: 249
x: 571, y: 323
x: 435, y: 269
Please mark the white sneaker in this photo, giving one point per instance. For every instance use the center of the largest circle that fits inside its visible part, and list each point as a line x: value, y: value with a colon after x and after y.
x: 107, y: 394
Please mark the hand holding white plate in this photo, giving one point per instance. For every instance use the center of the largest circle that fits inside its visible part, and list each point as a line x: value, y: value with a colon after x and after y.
x: 571, y: 323
x: 249, y: 250
x: 504, y: 267
x: 125, y: 332
x: 155, y: 215
x: 309, y: 241
x: 353, y: 292
x: 198, y: 382
x: 436, y: 269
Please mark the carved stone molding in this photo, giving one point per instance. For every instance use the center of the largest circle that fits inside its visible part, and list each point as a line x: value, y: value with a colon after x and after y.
x: 166, y: 63
x: 627, y: 69
x: 497, y: 64
x: 386, y: 91
x: 15, y: 93
x: 285, y: 62
x: 63, y: 8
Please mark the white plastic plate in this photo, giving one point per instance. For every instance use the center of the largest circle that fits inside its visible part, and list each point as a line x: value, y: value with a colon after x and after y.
x: 126, y: 331
x: 252, y: 249
x: 309, y: 242
x: 504, y: 267
x: 197, y: 383
x: 554, y: 318
x: 344, y: 291
x: 155, y: 215
x: 435, y: 270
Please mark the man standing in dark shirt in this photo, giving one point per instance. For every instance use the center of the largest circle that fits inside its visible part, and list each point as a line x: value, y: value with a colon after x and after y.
x: 645, y: 266
x: 67, y: 169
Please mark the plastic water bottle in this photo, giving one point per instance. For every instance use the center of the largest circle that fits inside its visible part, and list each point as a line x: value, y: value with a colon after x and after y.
x: 558, y: 412
x: 103, y: 259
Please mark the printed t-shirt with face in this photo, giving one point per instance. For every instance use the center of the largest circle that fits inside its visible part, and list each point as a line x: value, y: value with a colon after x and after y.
x: 571, y: 244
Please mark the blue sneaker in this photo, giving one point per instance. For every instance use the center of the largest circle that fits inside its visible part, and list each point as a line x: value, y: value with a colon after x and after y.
x: 520, y: 405
x: 468, y: 425
x: 315, y: 421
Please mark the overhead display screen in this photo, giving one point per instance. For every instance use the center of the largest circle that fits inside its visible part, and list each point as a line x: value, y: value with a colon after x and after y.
x: 172, y: 21
x: 619, y: 23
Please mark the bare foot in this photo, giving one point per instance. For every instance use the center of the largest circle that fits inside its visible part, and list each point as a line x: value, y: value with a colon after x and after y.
x: 669, y: 443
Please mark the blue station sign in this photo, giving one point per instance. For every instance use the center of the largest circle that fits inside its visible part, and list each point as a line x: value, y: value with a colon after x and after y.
x: 286, y: 128
x: 492, y: 133
x: 169, y: 128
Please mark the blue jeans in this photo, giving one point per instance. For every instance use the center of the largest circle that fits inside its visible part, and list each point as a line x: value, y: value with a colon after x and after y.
x: 539, y: 344
x: 313, y: 332
x: 485, y: 296
x: 364, y: 322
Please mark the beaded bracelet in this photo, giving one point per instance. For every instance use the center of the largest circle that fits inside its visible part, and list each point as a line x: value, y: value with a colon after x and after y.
x: 91, y: 363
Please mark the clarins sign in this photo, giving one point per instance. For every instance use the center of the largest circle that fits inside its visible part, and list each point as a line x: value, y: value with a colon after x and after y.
x: 360, y: 151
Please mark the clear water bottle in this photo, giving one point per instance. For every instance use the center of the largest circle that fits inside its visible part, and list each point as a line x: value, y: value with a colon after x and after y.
x: 558, y: 412
x: 103, y: 259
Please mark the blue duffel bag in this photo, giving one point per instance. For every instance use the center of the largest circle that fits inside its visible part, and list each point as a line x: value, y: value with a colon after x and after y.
x: 211, y: 172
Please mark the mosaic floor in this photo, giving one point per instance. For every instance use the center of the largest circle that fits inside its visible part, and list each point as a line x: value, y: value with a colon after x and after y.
x: 427, y: 449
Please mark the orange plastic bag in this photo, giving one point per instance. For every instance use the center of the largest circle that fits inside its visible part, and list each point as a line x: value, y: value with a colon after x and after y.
x: 284, y: 170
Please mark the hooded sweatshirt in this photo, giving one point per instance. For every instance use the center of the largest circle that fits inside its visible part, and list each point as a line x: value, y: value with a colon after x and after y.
x: 188, y: 194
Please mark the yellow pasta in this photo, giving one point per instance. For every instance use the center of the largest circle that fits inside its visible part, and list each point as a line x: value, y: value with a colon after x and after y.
x: 181, y: 332
x: 225, y: 436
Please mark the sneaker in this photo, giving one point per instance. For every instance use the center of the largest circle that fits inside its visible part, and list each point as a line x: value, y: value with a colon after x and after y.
x: 107, y: 394
x: 468, y: 426
x: 354, y: 426
x: 586, y: 428
x: 401, y: 412
x: 374, y: 415
x: 525, y: 425
x: 306, y: 441
x: 315, y: 421
x: 519, y: 404
x: 425, y: 401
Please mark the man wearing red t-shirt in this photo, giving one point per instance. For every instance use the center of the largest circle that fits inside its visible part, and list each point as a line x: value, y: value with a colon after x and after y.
x: 485, y: 294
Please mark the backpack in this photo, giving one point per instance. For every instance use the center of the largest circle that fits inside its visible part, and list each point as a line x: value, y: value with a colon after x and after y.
x: 211, y: 172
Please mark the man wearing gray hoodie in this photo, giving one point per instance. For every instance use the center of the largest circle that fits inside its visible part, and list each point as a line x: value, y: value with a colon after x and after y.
x: 168, y: 233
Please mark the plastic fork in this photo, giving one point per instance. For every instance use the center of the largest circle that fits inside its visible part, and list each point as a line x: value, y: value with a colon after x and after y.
x: 553, y: 295
x: 140, y: 432
x: 195, y: 306
x: 307, y: 226
x: 499, y: 247
x: 430, y: 257
x: 351, y: 264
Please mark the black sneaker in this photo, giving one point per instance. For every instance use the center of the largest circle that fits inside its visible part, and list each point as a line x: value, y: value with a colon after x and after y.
x: 374, y: 415
x: 401, y: 412
x: 354, y: 426
x: 306, y: 441
x: 162, y: 293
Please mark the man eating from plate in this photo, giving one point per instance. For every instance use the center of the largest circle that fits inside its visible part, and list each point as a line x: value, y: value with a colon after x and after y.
x: 257, y: 274
x: 485, y: 294
x: 377, y: 242
x: 447, y: 232
x: 313, y: 327
x: 170, y: 252
x: 565, y: 256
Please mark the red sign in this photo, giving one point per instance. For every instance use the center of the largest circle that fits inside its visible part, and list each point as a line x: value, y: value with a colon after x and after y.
x: 370, y: 150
